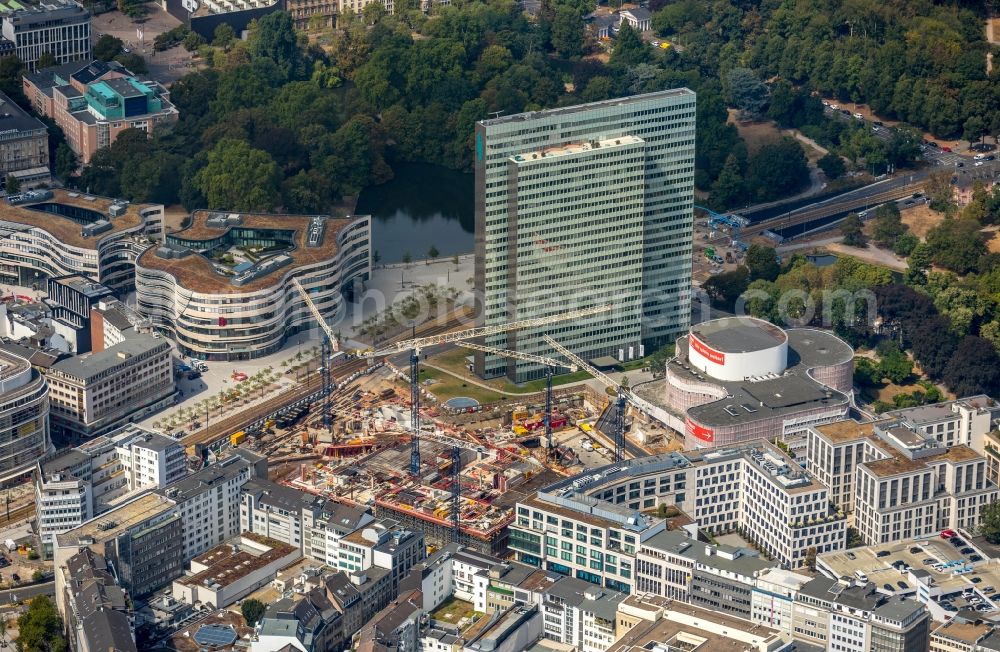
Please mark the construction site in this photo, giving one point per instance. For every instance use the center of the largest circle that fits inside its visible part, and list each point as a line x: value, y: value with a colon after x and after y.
x: 452, y: 469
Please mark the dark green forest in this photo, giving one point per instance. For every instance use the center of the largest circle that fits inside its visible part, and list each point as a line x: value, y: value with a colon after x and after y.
x: 282, y: 121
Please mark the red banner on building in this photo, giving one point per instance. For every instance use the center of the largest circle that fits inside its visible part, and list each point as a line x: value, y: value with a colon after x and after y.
x: 701, y: 432
x: 715, y: 356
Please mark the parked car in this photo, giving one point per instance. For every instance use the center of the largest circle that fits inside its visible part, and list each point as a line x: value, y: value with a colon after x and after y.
x: 915, y: 550
x: 858, y: 116
x: 975, y: 558
x: 882, y: 553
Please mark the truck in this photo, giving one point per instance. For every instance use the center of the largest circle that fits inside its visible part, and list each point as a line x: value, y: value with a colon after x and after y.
x: 237, y: 438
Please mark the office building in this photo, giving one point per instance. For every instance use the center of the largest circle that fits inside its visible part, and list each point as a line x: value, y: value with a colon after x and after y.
x: 219, y: 301
x: 208, y: 501
x: 24, y: 406
x: 111, y: 321
x: 739, y: 378
x: 205, y: 16
x: 71, y: 298
x: 855, y: 617
x: 77, y: 484
x: 646, y: 622
x: 580, y: 614
x: 898, y: 481
x: 773, y: 598
x: 59, y: 27
x: 965, y: 635
x: 964, y: 421
x: 382, y: 544
x: 276, y: 511
x: 327, y: 528
x: 93, y: 102
x: 24, y: 146
x: 550, y: 188
x: 754, y: 488
x: 52, y: 233
x: 96, y: 393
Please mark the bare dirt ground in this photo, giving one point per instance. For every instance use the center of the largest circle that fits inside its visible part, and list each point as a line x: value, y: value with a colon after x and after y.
x: 992, y: 234
x: 921, y: 219
x: 165, y: 67
x: 755, y: 134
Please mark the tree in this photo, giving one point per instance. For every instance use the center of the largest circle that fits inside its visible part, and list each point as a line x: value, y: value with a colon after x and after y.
x: 193, y: 41
x: 12, y: 185
x: 956, y: 245
x: 107, y: 47
x: 373, y: 12
x: 40, y: 629
x: 727, y: 287
x: 252, y: 610
x: 134, y: 62
x: 407, y: 258
x: 888, y: 225
x: 747, y: 93
x: 629, y: 49
x: 65, y: 164
x: 239, y: 178
x: 905, y: 244
x: 274, y: 38
x: 866, y: 373
x: 762, y: 262
x: 433, y: 252
x: 46, y: 60
x: 777, y: 169
x: 832, y: 166
x: 974, y: 368
x: 851, y: 230
x: 223, y: 36
x: 728, y: 189
x: 810, y: 559
x: 893, y: 363
x: 567, y: 32
x: 989, y: 525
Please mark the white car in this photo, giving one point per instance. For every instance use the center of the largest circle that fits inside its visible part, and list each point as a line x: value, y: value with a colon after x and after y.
x: 834, y: 107
x: 825, y: 103
x: 979, y: 163
x: 858, y: 116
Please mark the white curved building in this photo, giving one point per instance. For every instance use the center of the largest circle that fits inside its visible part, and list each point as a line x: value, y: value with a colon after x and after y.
x: 739, y: 378
x: 222, y: 287
x: 24, y: 417
x: 48, y: 233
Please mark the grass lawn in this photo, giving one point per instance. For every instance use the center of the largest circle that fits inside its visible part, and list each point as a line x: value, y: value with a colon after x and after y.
x: 447, y: 386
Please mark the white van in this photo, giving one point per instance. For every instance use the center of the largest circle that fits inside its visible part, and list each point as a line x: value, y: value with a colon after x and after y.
x: 861, y: 575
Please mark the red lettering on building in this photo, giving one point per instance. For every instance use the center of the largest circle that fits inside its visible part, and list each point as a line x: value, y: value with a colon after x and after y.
x: 701, y: 432
x: 715, y: 356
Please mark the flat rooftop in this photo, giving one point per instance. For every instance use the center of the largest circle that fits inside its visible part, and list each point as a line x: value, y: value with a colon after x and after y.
x: 226, y: 565
x: 572, y: 149
x: 197, y: 273
x: 86, y: 367
x: 117, y: 521
x: 570, y: 110
x: 739, y: 334
x: 840, y: 432
x: 33, y: 214
x: 664, y: 630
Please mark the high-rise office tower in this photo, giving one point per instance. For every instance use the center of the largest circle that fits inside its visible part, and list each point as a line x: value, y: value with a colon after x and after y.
x: 582, y: 206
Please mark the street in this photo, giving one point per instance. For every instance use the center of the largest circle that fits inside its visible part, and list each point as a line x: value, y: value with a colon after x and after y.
x: 25, y: 593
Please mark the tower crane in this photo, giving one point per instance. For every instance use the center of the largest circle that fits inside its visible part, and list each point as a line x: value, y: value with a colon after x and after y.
x: 623, y: 394
x: 550, y: 367
x: 330, y: 345
x: 417, y: 343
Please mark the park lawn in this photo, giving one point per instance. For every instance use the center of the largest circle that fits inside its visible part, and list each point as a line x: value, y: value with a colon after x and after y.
x: 447, y: 386
x: 454, y: 361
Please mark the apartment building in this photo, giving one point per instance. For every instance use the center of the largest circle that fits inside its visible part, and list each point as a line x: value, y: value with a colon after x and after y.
x: 902, y: 482
x: 59, y: 27
x: 962, y: 421
x: 327, y: 528
x: 77, y: 484
x: 208, y: 502
x: 857, y: 618
x: 530, y: 266
x: 312, y: 624
x: 95, y: 101
x: 580, y: 614
x: 24, y: 417
x: 24, y: 146
x: 592, y: 525
x: 51, y: 233
x: 94, y: 394
x: 98, y: 614
x: 276, y: 511
x: 382, y: 544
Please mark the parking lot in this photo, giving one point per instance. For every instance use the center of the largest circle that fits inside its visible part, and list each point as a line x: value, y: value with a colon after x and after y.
x: 961, y: 574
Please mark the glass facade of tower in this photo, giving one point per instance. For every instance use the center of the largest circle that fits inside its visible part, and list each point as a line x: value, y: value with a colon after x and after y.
x: 580, y: 206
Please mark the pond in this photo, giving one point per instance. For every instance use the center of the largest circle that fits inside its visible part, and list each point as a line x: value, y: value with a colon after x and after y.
x: 423, y: 206
x: 822, y: 260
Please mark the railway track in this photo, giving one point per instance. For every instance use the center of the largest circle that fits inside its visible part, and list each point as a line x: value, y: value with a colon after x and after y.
x: 17, y: 514
x: 832, y: 208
